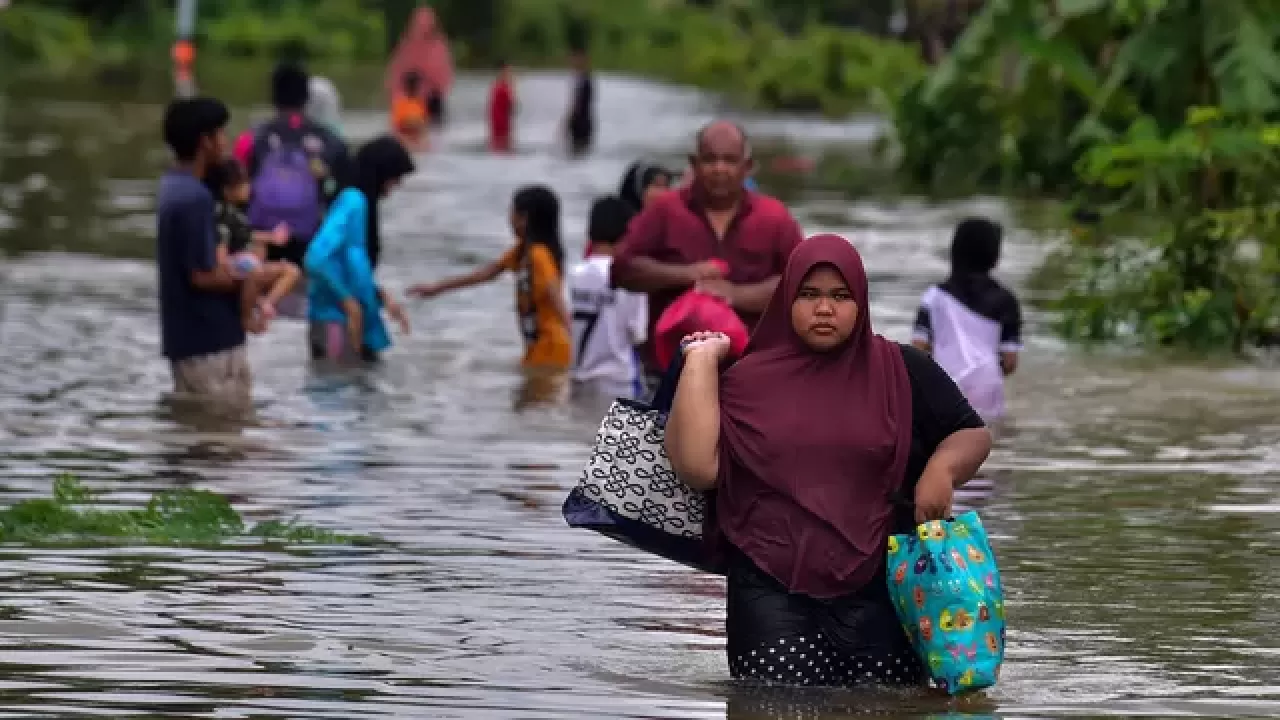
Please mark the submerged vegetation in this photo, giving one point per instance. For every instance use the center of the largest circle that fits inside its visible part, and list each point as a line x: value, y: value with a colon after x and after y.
x: 172, y: 517
x: 1162, y: 108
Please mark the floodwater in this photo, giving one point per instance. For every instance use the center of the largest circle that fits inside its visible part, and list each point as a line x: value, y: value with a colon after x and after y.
x: 1135, y: 506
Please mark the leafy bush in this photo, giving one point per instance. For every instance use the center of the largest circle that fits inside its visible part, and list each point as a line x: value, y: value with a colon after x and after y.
x: 46, y: 37
x: 332, y: 29
x: 1207, y: 277
x: 1160, y: 107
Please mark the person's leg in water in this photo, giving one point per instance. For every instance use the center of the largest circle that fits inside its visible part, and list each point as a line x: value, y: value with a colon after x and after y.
x: 280, y: 278
x: 252, y: 284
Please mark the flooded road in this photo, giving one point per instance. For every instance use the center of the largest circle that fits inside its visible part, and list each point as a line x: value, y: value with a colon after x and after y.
x: 1136, y: 507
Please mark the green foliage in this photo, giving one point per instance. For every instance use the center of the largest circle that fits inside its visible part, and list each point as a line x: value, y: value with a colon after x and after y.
x: 43, y: 36
x: 1207, y: 277
x: 172, y: 517
x: 331, y: 29
x: 1150, y: 106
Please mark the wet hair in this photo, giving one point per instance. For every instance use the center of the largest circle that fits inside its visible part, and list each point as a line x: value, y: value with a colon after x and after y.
x: 541, y: 210
x: 225, y: 175
x: 411, y: 82
x: 975, y: 246
x: 378, y: 162
x: 188, y: 120
x: 290, y: 87
x: 637, y: 179
x: 608, y: 221
x: 701, y: 137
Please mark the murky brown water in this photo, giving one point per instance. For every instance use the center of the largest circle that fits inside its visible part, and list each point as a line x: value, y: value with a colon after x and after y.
x: 1136, y: 507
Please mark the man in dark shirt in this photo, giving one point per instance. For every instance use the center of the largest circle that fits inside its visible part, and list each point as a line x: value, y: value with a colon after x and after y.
x: 669, y: 245
x: 200, y: 323
x: 580, y: 124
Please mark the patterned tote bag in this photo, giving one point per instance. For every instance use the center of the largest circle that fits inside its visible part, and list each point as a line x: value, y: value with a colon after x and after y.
x: 628, y: 490
x: 946, y: 586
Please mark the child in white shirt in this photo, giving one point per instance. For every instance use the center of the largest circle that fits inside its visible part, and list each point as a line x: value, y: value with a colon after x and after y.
x: 970, y: 323
x: 608, y: 323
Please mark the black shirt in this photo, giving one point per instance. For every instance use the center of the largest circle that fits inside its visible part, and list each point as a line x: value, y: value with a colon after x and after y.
x: 233, y: 228
x: 938, y: 409
x: 580, y: 119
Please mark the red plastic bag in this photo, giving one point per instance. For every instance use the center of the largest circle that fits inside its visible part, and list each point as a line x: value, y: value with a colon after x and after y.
x: 696, y: 312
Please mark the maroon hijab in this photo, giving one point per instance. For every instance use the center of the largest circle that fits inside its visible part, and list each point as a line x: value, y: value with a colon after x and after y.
x: 813, y: 445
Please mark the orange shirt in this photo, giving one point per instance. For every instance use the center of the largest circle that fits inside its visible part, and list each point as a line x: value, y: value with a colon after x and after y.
x: 408, y: 114
x: 546, y: 339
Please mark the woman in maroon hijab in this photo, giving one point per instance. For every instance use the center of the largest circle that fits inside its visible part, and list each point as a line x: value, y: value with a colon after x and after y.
x: 816, y: 441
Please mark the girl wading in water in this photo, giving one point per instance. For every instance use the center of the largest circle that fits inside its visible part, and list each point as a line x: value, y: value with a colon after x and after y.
x: 808, y: 439
x: 345, y: 302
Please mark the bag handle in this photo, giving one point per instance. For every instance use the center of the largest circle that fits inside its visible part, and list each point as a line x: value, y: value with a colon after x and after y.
x: 666, y: 393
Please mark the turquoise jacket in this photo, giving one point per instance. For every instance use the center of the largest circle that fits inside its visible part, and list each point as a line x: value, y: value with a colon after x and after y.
x: 337, y: 265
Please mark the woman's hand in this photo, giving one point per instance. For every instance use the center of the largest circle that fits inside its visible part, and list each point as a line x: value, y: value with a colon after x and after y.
x: 355, y: 323
x: 396, y: 312
x: 423, y: 290
x: 934, y: 494
x: 280, y: 235
x: 714, y: 343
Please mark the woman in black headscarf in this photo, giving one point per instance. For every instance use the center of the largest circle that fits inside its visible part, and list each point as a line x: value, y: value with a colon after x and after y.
x: 345, y: 302
x: 641, y: 182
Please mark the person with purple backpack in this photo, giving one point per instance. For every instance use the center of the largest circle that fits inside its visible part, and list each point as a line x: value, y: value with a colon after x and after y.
x: 297, y: 166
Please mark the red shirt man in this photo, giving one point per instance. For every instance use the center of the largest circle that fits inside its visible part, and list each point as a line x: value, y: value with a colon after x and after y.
x: 502, y: 105
x: 669, y: 245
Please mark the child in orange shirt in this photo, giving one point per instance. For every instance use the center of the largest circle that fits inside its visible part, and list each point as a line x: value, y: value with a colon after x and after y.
x: 409, y: 113
x: 537, y: 261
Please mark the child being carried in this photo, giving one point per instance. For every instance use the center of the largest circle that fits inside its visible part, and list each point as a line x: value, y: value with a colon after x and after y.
x: 243, y: 250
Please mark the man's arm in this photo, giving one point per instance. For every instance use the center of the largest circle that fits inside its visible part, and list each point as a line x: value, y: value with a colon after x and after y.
x: 633, y: 266
x: 200, y: 239
x: 754, y: 297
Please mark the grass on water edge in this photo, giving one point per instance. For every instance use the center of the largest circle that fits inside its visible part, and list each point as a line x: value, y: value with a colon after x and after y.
x: 172, y: 517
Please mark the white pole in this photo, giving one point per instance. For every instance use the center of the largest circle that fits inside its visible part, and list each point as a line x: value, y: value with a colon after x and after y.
x: 186, y: 19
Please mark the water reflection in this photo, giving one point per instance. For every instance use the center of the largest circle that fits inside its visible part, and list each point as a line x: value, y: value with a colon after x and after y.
x: 1134, y: 506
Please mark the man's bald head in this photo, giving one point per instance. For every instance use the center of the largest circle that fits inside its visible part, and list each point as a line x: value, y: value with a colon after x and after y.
x: 720, y: 132
x: 721, y: 161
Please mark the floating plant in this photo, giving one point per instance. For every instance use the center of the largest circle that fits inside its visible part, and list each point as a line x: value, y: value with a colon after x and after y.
x: 173, y: 517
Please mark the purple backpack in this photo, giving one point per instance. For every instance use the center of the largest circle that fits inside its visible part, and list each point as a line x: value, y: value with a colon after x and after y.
x: 285, y: 190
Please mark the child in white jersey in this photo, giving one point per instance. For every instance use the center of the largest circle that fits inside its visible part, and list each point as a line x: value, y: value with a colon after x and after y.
x: 607, y: 323
x: 970, y: 323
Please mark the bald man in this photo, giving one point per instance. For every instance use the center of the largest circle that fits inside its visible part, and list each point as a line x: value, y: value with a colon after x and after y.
x: 669, y: 246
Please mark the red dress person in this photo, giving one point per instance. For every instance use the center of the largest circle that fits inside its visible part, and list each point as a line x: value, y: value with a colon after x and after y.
x: 502, y: 105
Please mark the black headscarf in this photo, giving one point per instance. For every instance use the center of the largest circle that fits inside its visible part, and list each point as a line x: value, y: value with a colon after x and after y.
x: 975, y: 246
x: 975, y: 252
x: 378, y: 162
x: 638, y: 178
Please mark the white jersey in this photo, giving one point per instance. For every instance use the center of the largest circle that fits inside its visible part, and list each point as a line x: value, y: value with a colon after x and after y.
x: 607, y: 326
x: 968, y: 324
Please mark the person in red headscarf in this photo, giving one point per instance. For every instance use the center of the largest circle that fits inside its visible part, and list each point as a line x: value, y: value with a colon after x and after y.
x: 814, y: 441
x: 425, y: 49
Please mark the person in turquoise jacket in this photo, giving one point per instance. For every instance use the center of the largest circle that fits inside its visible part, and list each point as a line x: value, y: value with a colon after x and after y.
x: 344, y: 300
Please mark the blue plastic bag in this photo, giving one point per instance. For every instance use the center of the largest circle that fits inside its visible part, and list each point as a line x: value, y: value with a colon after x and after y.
x: 946, y: 587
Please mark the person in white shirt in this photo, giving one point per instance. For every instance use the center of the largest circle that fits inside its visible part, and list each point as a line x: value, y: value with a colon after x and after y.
x: 608, y: 323
x: 970, y: 323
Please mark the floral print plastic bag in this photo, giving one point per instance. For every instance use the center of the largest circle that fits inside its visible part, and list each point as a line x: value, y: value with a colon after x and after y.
x: 946, y: 587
